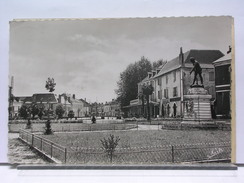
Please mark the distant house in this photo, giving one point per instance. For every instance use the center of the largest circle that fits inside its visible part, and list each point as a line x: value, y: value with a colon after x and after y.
x: 18, y: 102
x: 97, y: 109
x: 80, y: 107
x: 64, y: 99
x: 47, y: 100
x: 86, y: 110
x: 112, y: 108
x: 223, y: 86
x: 171, y: 82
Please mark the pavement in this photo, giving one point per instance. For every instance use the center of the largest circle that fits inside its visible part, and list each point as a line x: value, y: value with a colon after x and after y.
x: 20, y: 153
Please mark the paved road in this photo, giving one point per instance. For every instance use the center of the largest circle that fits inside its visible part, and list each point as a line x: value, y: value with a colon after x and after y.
x: 20, y: 153
x: 148, y: 127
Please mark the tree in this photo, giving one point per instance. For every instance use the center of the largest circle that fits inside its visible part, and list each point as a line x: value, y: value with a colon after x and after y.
x: 71, y: 114
x: 147, y: 90
x: 60, y: 111
x: 158, y: 63
x: 34, y: 110
x: 109, y: 145
x: 41, y: 111
x: 50, y: 84
x: 23, y: 111
x: 129, y: 79
x: 48, y: 129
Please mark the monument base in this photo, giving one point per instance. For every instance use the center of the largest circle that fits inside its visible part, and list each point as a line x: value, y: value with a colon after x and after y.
x: 197, y: 107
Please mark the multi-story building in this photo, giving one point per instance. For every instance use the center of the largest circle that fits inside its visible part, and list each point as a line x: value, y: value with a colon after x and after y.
x: 172, y: 80
x: 80, y: 107
x: 112, y: 109
x: 47, y: 100
x: 223, y: 86
x: 97, y: 109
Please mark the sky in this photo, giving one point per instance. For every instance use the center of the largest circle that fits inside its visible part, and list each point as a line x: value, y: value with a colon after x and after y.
x: 85, y: 57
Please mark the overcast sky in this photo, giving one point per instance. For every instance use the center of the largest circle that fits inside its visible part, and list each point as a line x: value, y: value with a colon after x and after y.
x: 85, y: 57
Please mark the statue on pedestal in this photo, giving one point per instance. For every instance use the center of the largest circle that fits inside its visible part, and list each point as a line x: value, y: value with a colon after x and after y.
x: 197, y: 71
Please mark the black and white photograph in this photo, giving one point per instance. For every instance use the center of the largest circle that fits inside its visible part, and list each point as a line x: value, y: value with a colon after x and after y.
x: 121, y: 91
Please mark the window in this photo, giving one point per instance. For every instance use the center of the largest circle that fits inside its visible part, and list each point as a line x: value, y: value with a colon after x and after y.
x: 175, y: 93
x: 211, y: 76
x: 174, y: 75
x: 159, y: 81
x: 167, y: 79
x: 166, y: 93
x: 160, y: 94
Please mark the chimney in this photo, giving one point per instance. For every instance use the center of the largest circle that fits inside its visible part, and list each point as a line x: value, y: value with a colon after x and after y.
x: 181, y: 58
x: 73, y: 96
x: 85, y: 99
x: 229, y: 50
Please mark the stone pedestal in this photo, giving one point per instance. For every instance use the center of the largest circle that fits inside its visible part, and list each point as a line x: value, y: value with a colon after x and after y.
x: 197, y: 107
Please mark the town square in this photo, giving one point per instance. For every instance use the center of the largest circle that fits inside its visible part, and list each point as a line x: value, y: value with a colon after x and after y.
x: 120, y: 91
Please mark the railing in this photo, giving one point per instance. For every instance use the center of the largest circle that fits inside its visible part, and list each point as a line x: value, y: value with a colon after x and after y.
x: 210, y: 152
x: 52, y: 150
x: 185, y: 153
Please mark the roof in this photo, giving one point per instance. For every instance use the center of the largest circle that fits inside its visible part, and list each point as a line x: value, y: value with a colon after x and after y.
x: 224, y: 58
x: 159, y: 67
x: 22, y: 98
x: 44, y: 97
x: 202, y: 56
x: 85, y: 102
x: 27, y: 99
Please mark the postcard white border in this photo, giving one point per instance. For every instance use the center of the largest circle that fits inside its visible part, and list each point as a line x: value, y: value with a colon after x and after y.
x: 134, y: 8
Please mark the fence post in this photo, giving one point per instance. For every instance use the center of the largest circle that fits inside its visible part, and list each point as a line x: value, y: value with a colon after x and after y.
x: 32, y: 139
x: 51, y: 150
x: 65, y: 155
x: 172, y: 154
x: 27, y: 138
x: 41, y: 145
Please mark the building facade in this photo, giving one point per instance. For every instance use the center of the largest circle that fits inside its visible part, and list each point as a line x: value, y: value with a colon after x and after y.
x: 112, y: 109
x: 223, y: 86
x: 172, y: 80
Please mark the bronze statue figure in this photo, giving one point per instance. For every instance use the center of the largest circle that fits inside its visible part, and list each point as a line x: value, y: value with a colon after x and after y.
x: 197, y: 71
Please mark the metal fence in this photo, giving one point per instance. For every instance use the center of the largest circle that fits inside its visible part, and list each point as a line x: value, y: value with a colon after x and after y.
x: 154, y: 154
x: 52, y: 150
x: 201, y: 152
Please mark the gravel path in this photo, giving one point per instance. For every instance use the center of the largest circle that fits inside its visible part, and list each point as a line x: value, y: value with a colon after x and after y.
x: 20, y: 153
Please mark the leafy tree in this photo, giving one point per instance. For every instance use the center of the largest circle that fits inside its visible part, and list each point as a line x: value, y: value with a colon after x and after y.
x: 60, y: 111
x: 158, y: 63
x: 23, y: 111
x: 48, y: 129
x: 109, y: 145
x: 41, y: 112
x: 129, y: 78
x: 147, y: 90
x: 34, y: 109
x: 93, y: 119
x: 71, y: 114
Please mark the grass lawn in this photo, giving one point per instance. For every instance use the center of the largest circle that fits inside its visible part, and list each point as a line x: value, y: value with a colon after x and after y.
x: 77, y: 144
x: 66, y: 127
x: 141, y: 138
